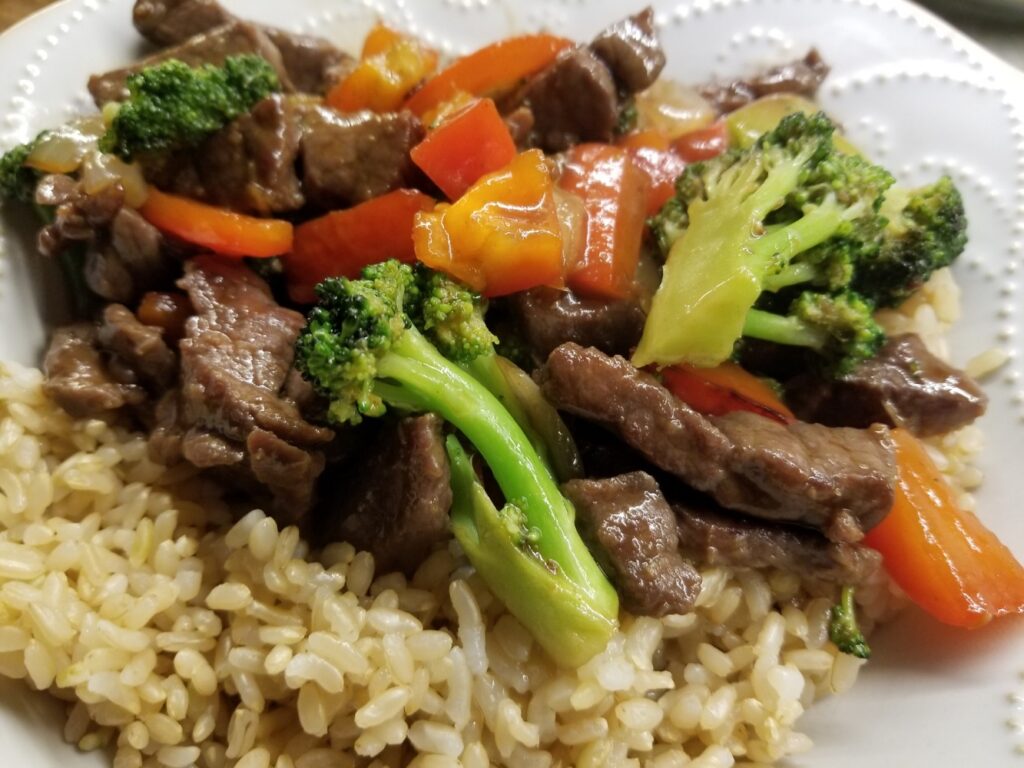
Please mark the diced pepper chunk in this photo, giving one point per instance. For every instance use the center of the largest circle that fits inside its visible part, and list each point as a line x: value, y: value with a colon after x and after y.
x: 723, y: 389
x: 502, y: 235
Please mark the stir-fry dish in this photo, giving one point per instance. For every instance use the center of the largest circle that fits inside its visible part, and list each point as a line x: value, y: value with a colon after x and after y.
x: 518, y: 409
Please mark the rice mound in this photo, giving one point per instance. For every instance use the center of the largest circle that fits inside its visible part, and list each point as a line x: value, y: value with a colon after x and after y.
x: 182, y: 638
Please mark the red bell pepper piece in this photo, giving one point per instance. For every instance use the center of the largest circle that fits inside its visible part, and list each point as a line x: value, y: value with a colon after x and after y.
x: 653, y: 154
x: 493, y: 69
x: 614, y: 194
x: 723, y: 389
x: 702, y: 144
x: 343, y: 242
x: 471, y: 143
x: 217, y: 229
x: 942, y: 556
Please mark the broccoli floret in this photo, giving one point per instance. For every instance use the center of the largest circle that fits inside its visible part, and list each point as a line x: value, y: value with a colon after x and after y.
x: 839, y: 327
x: 17, y: 180
x: 753, y: 221
x: 843, y: 629
x: 363, y: 350
x: 925, y: 229
x: 173, y: 106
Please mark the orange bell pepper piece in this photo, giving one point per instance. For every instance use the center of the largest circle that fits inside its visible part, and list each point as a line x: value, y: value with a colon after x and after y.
x: 466, y: 145
x: 942, y: 556
x: 723, y: 389
x: 392, y: 65
x: 652, y: 152
x: 217, y: 229
x: 614, y: 194
x: 493, y: 69
x: 702, y: 144
x: 343, y: 242
x: 502, y: 236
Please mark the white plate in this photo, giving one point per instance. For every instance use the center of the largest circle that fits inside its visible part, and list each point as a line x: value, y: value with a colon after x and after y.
x: 912, y: 92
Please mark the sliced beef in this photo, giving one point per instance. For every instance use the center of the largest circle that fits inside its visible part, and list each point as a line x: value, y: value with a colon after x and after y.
x: 632, y: 51
x: 905, y: 385
x: 634, y: 530
x: 520, y: 125
x: 546, y: 318
x: 394, y: 500
x: 139, y: 348
x: 838, y: 480
x: 128, y: 258
x: 249, y: 166
x: 78, y: 378
x: 170, y: 22
x: 348, y: 159
x: 718, y: 538
x: 208, y: 450
x: 237, y: 354
x: 312, y: 63
x: 212, y: 47
x: 802, y: 77
x: 288, y: 472
x: 573, y: 100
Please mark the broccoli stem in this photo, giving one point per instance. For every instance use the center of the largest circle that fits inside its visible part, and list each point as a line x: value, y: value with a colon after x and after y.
x: 427, y: 379
x: 843, y: 629
x: 790, y: 275
x: 780, y: 329
x: 557, y: 611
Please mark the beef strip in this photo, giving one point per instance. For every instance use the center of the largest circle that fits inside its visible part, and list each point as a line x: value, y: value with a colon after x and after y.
x: 547, y: 317
x: 632, y: 51
x: 170, y: 22
x: 290, y: 473
x: 139, y: 348
x: 838, y: 480
x: 905, y: 385
x: 312, y: 63
x: 248, y: 166
x: 394, y: 501
x: 348, y: 159
x: 211, y: 47
x: 717, y: 538
x: 634, y: 530
x: 802, y: 77
x: 78, y: 379
x: 573, y: 100
x: 237, y: 354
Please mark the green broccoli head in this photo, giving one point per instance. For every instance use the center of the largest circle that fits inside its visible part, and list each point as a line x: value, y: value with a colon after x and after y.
x: 452, y: 317
x: 354, y: 324
x: 172, y: 106
x: 924, y: 229
x: 849, y: 331
x: 17, y: 180
x: 843, y: 629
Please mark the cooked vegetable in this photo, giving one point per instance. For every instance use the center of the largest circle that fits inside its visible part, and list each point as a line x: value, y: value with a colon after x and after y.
x: 341, y: 243
x: 751, y: 121
x: 167, y: 311
x: 614, y: 193
x: 468, y: 144
x: 925, y: 229
x: 363, y: 350
x: 703, y: 143
x: 222, y: 231
x: 174, y: 106
x: 723, y: 389
x: 492, y: 70
x: 742, y: 218
x: 391, y: 66
x: 651, y: 152
x: 17, y: 180
x: 843, y: 629
x: 941, y: 555
x: 502, y: 236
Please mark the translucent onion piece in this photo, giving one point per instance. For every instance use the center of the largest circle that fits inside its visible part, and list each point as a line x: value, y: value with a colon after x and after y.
x: 63, y: 149
x: 572, y: 218
x: 99, y: 171
x: 672, y: 109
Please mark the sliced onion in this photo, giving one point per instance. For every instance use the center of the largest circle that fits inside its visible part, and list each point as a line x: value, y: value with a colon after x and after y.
x: 100, y: 171
x: 572, y: 218
x: 545, y: 420
x: 672, y: 109
x: 62, y: 150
